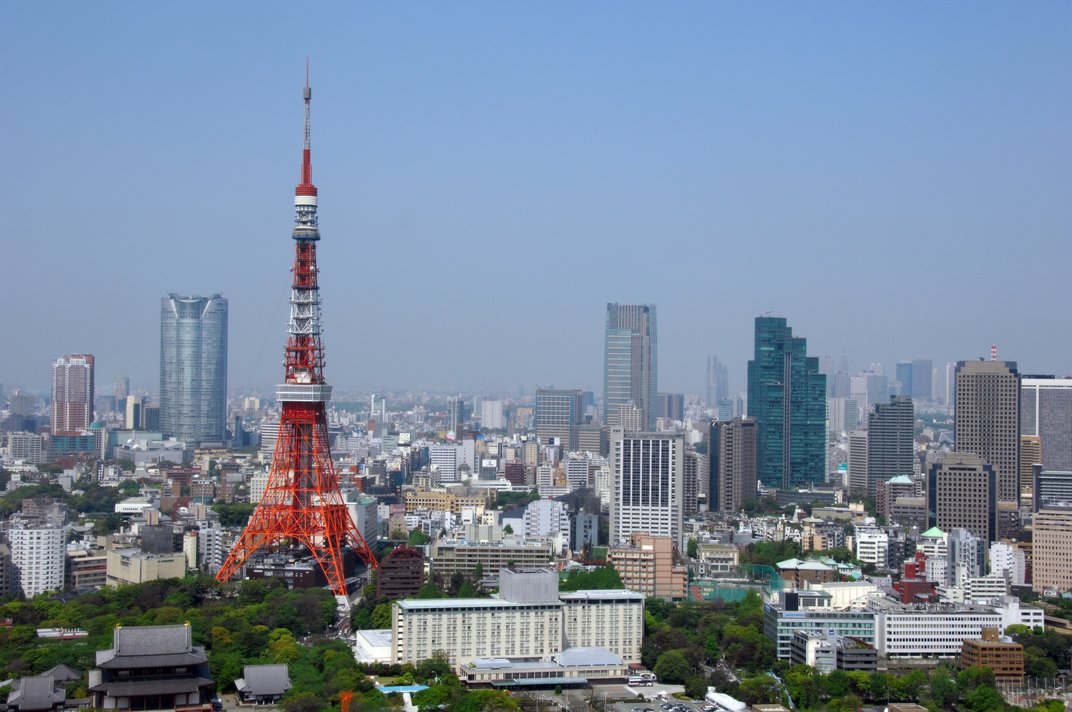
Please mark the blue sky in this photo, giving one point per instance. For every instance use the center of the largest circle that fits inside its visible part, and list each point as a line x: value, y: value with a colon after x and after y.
x: 893, y: 179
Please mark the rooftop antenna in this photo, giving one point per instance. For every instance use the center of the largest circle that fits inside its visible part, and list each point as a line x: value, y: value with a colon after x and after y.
x: 993, y: 352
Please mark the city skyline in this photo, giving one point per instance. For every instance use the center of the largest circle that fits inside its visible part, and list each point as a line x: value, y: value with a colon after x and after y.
x: 898, y: 156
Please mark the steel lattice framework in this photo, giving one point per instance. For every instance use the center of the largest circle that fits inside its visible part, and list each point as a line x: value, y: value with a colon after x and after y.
x: 302, y: 504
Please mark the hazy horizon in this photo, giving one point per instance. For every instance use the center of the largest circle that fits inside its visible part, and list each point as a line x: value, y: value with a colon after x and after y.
x: 893, y: 180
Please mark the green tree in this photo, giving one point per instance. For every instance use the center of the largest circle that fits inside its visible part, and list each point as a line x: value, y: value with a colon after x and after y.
x: 381, y: 615
x: 417, y: 538
x: 429, y: 590
x: 759, y: 690
x: 672, y: 667
x: 848, y: 703
x: 696, y: 686
x: 692, y: 548
x: 970, y: 678
x: 984, y: 698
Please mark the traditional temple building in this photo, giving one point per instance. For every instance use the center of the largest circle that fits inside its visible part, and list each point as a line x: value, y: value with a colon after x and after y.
x: 151, y: 668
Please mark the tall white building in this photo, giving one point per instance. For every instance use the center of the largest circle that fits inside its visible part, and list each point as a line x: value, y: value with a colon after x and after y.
x: 548, y: 517
x: 646, y: 484
x: 872, y: 546
x: 446, y: 459
x: 1009, y: 561
x: 491, y: 415
x: 578, y: 472
x: 37, y: 558
x: 27, y: 447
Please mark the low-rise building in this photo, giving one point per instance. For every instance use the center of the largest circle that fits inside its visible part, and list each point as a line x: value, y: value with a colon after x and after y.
x: 126, y: 566
x: 262, y: 684
x: 415, y: 500
x: 811, y: 611
x: 1005, y: 658
x: 530, y: 620
x: 461, y: 557
x: 573, y: 666
x: 932, y: 630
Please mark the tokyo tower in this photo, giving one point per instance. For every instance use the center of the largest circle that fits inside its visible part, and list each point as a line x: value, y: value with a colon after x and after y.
x: 302, y: 505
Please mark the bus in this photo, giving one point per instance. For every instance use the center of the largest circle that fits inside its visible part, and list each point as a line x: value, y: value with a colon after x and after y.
x: 644, y: 680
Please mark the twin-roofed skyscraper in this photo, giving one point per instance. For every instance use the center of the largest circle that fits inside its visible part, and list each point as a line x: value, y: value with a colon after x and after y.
x: 630, y: 365
x: 193, y: 368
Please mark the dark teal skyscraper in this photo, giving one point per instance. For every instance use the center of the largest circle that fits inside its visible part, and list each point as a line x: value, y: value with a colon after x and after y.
x: 787, y: 397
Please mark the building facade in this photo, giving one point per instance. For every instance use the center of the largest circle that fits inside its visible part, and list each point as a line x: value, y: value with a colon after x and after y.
x: 1051, y: 566
x: 733, y: 464
x: 962, y: 493
x: 193, y: 368
x: 72, y: 393
x: 890, y: 442
x: 37, y: 558
x: 646, y: 565
x: 559, y: 415
x: 1046, y: 412
x: 787, y: 397
x: 987, y: 420
x: 630, y: 367
x: 646, y: 495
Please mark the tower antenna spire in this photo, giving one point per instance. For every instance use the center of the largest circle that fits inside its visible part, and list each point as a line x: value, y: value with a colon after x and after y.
x: 306, y: 186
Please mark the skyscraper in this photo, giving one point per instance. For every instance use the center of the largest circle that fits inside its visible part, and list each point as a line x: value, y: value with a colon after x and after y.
x: 787, y: 397
x: 922, y: 380
x: 987, y: 419
x: 72, y: 393
x: 718, y: 382
x: 904, y: 377
x: 193, y: 368
x: 558, y: 415
x: 1046, y: 412
x: 732, y: 448
x: 890, y: 442
x: 646, y: 484
x: 630, y: 361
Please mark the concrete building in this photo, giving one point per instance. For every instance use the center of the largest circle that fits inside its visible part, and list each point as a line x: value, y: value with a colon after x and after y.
x: 127, y: 566
x: 450, y: 557
x: 491, y: 415
x: 858, y: 459
x: 890, y: 444
x: 872, y: 546
x: 1049, y: 487
x: 72, y: 393
x: 528, y: 620
x: 1008, y: 561
x: 1046, y: 413
x: 548, y: 518
x: 928, y: 630
x: 1051, y: 567
x: 37, y: 558
x: 400, y: 574
x: 416, y: 500
x: 988, y: 420
x: 811, y: 611
x: 962, y: 493
x: 695, y: 469
x: 646, y: 491
x: 646, y: 565
x: 1004, y: 657
x: 27, y: 447
x: 559, y: 415
x: 733, y: 464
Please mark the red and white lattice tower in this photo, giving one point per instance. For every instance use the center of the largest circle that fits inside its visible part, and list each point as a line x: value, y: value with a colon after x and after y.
x: 302, y: 504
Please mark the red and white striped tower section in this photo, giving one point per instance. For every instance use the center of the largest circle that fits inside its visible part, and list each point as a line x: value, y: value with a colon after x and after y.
x: 302, y: 505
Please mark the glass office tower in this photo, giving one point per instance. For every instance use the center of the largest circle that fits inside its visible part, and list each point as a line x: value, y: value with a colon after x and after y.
x: 787, y: 397
x: 193, y: 368
x: 629, y: 362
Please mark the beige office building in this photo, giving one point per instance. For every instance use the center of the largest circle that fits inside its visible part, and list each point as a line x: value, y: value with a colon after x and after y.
x: 450, y: 557
x: 135, y: 566
x: 733, y: 473
x: 961, y: 492
x: 987, y: 419
x: 1052, y: 549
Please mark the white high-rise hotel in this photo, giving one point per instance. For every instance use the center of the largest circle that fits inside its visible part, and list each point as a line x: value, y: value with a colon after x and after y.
x: 37, y: 558
x: 646, y: 484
